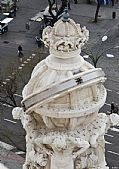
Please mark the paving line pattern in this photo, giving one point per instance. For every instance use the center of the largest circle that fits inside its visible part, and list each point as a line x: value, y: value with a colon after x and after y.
x: 19, y: 68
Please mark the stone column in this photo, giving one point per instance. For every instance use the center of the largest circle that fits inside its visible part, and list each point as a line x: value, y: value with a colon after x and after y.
x: 61, y: 103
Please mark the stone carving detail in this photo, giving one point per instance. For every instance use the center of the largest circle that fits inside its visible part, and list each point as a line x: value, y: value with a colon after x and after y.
x: 62, y: 149
x: 74, y: 38
x: 64, y: 130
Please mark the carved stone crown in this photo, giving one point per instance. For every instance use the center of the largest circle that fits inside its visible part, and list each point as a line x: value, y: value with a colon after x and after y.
x: 65, y: 39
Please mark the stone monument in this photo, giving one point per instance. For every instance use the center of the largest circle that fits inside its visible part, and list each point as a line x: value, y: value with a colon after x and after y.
x: 61, y: 102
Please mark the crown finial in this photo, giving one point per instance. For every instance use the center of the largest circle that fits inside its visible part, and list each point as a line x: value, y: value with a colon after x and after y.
x: 65, y: 16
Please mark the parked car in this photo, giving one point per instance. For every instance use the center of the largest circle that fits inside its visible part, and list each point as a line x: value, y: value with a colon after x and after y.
x: 4, y: 25
x: 7, y: 5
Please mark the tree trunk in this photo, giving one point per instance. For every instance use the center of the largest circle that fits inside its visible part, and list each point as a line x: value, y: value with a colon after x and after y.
x: 96, y: 13
x: 50, y: 7
x: 89, y: 1
x: 63, y: 6
x: 59, y: 11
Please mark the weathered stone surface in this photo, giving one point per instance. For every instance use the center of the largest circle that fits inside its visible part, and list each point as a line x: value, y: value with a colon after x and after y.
x: 61, y: 103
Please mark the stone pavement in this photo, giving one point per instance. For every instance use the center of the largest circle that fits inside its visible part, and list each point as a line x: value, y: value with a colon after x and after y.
x: 10, y: 159
x: 83, y: 14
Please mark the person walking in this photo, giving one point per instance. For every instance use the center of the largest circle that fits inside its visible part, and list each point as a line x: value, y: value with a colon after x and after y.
x: 69, y: 6
x: 76, y: 1
x: 116, y: 109
x: 39, y: 42
x: 14, y: 10
x: 112, y: 107
x: 113, y: 2
x: 28, y: 26
x: 20, y: 54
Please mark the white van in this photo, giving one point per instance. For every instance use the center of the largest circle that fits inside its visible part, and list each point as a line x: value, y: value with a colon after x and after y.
x: 4, y: 25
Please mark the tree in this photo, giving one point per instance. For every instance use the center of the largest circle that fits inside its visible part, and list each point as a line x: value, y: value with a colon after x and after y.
x: 99, y: 3
x: 96, y: 55
x: 58, y: 11
x: 7, y: 91
x: 14, y: 77
x: 12, y: 80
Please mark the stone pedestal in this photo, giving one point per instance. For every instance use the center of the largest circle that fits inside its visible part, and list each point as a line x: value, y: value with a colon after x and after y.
x: 61, y: 103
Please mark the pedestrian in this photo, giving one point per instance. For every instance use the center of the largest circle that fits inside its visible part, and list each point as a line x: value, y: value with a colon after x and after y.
x: 20, y: 54
x: 113, y: 1
x: 27, y: 26
x: 14, y: 10
x: 39, y: 41
x: 116, y: 109
x: 69, y: 6
x: 112, y: 107
x: 75, y: 1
